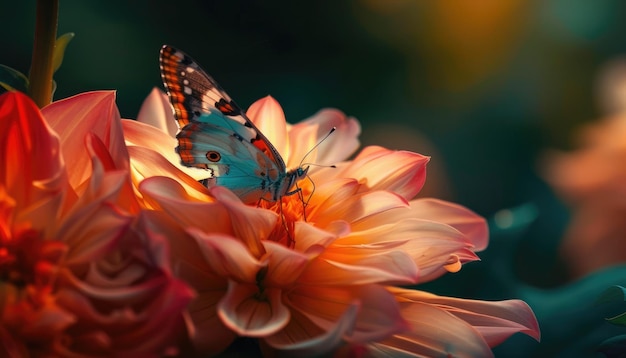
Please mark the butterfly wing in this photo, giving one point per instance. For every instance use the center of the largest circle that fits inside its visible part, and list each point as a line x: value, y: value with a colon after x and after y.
x: 216, y: 135
x: 194, y: 93
x: 230, y: 160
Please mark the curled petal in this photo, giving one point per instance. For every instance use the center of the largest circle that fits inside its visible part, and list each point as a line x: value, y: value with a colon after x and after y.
x: 91, y: 112
x: 90, y: 234
x: 157, y: 112
x: 378, y: 315
x: 269, y: 117
x: 284, y: 265
x: 142, y: 138
x: 168, y: 195
x: 495, y: 321
x: 31, y: 169
x: 311, y: 239
x: 227, y: 256
x: 249, y: 312
x: 250, y: 224
x: 303, y: 338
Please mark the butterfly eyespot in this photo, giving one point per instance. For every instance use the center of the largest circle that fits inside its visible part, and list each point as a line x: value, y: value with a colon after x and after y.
x: 213, y: 156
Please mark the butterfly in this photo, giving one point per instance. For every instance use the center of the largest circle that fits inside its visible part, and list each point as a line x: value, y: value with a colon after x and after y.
x: 216, y: 135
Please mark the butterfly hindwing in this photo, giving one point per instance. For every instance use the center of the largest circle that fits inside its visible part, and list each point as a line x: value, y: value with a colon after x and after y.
x: 231, y: 161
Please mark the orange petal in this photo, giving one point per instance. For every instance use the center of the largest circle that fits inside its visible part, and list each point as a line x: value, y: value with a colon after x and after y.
x: 157, y: 112
x: 149, y: 138
x: 146, y: 163
x: 343, y: 204
x: 251, y: 313
x: 311, y: 239
x: 250, y: 224
x: 269, y: 118
x: 353, y: 265
x: 378, y: 168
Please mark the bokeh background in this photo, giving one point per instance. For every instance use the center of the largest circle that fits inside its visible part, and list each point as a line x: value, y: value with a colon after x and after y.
x: 485, y: 87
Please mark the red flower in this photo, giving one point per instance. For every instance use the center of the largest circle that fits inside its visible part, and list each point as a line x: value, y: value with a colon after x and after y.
x: 83, y: 271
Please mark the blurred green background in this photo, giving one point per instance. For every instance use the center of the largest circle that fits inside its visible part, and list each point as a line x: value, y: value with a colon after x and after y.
x: 483, y: 86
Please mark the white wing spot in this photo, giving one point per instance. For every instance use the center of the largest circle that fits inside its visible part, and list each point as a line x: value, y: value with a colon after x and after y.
x: 183, y: 73
x: 187, y: 90
x: 190, y: 70
x: 186, y: 82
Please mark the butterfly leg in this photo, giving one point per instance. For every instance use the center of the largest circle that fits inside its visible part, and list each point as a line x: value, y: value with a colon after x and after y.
x: 290, y: 240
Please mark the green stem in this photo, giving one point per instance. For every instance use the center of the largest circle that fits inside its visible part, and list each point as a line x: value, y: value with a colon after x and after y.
x: 40, y: 81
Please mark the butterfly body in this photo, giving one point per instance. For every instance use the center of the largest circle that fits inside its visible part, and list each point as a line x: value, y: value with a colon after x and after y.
x: 216, y: 136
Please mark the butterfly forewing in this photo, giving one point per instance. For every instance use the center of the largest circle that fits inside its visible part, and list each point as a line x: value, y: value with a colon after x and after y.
x: 193, y: 93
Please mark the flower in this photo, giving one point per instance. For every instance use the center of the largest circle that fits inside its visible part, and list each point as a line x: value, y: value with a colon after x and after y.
x: 84, y: 271
x: 591, y: 182
x: 315, y: 272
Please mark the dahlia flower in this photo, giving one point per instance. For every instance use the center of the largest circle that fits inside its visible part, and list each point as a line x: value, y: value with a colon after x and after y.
x: 317, y: 272
x: 83, y: 271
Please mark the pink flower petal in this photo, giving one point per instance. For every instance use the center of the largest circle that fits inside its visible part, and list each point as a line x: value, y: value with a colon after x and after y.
x: 337, y: 147
x: 72, y: 118
x: 157, y: 112
x: 496, y: 320
x: 251, y: 313
x: 473, y: 226
x: 269, y: 118
x: 378, y: 168
x: 92, y: 232
x: 434, y: 333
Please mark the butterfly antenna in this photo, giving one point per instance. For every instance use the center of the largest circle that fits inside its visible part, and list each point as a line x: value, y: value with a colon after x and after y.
x: 317, y: 145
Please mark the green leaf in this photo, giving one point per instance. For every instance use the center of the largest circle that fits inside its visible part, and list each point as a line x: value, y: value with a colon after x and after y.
x: 13, y: 80
x: 59, y: 50
x: 613, y: 294
x: 619, y: 320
